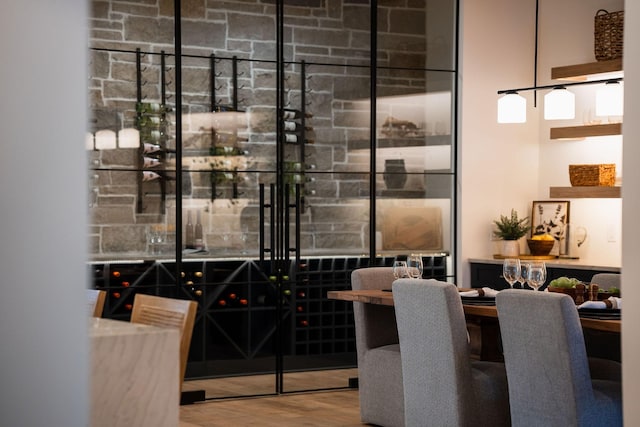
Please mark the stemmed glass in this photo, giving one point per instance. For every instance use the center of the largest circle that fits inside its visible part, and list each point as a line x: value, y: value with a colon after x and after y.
x: 511, y: 270
x: 414, y: 266
x: 524, y: 272
x: 537, y: 275
x: 400, y: 270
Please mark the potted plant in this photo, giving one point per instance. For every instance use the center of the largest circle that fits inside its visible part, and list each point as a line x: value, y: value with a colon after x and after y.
x: 510, y: 229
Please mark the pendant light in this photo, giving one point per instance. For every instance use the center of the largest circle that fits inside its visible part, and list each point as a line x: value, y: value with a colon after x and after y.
x: 129, y: 138
x: 105, y: 140
x: 559, y: 104
x: 512, y: 108
x: 610, y: 99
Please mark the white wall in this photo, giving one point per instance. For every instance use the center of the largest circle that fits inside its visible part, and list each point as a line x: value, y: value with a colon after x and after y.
x: 43, y: 326
x: 631, y: 207
x: 510, y: 166
x: 499, y: 163
x: 566, y: 38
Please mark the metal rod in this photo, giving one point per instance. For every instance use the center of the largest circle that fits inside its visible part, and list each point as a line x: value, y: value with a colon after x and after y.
x: 372, y: 131
x: 178, y: 78
x: 139, y: 158
x: 535, y: 60
x: 212, y: 81
x: 560, y: 85
x: 234, y: 66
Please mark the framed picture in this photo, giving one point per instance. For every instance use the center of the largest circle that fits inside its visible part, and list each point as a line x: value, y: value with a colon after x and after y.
x: 551, y: 217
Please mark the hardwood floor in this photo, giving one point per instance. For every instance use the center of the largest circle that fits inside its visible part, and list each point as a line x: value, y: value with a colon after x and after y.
x: 318, y: 408
x: 326, y: 408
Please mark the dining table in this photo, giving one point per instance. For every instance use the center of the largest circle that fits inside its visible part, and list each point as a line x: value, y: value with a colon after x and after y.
x: 481, y: 316
x: 134, y: 374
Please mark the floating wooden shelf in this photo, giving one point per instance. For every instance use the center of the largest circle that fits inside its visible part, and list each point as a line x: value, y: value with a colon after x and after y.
x: 579, y: 132
x: 591, y: 71
x: 585, y: 192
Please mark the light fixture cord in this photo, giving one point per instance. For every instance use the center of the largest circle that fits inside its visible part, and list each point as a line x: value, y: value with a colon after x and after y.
x: 535, y: 60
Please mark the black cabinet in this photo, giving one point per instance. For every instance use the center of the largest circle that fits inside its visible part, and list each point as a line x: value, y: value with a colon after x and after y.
x: 489, y: 274
x: 235, y: 328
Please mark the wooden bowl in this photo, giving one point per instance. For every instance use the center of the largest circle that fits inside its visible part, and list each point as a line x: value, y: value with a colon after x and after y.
x: 540, y: 247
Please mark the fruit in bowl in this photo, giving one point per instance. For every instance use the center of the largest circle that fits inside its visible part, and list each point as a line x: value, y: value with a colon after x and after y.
x: 540, y: 244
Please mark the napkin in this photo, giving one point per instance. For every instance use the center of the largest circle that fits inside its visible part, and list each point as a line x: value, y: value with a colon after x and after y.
x: 611, y: 302
x: 484, y: 292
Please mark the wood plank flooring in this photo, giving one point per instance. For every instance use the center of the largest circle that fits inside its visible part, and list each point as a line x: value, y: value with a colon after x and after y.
x: 319, y: 408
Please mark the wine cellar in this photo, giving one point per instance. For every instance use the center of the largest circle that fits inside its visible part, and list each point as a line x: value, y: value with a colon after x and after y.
x: 252, y: 173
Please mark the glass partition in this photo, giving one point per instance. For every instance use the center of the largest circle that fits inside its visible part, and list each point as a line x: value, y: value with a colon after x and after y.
x: 290, y: 177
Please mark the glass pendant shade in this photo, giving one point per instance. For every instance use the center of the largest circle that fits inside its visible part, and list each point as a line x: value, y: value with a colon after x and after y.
x: 105, y: 140
x: 129, y: 138
x: 512, y: 108
x: 559, y: 104
x: 610, y: 100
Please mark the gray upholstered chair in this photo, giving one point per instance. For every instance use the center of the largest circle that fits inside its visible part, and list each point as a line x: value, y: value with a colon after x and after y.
x: 547, y: 367
x: 606, y: 280
x: 603, y: 345
x: 378, y: 352
x: 442, y: 385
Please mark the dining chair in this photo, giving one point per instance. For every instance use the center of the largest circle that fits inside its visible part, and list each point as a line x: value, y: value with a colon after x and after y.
x: 600, y: 344
x: 443, y: 386
x: 547, y: 365
x: 378, y: 352
x: 170, y: 313
x: 606, y: 280
x: 95, y: 302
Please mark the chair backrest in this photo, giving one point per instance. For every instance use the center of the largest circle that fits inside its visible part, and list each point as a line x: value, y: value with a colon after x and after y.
x: 95, y: 302
x: 375, y: 324
x: 545, y: 357
x: 607, y: 280
x: 436, y: 366
x: 168, y: 312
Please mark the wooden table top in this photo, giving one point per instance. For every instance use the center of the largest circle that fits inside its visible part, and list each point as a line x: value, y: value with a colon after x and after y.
x: 386, y: 298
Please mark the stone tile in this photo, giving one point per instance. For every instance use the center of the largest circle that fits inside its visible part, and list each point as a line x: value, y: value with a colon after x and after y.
x: 149, y: 30
x: 252, y: 27
x: 123, y: 239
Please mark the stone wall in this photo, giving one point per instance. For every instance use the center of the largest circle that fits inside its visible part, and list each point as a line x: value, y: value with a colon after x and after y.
x: 331, y: 36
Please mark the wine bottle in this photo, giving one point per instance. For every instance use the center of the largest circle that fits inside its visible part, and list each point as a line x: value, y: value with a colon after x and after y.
x: 290, y: 114
x: 198, y: 239
x: 151, y: 108
x: 292, y: 138
x: 227, y: 151
x: 155, y: 148
x: 151, y: 122
x: 227, y: 138
x: 290, y: 126
x: 150, y: 162
x: 150, y: 176
x: 189, y: 240
x: 153, y: 135
x: 153, y: 176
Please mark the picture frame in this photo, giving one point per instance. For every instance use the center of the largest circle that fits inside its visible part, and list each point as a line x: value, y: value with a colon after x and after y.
x: 551, y: 217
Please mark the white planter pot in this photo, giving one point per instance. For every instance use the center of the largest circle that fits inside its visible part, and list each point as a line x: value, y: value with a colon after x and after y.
x: 510, y: 248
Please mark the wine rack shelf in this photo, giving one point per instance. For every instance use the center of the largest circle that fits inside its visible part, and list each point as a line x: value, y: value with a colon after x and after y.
x: 237, y: 307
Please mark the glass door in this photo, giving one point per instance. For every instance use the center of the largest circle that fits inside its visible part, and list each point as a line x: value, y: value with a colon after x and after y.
x: 262, y: 174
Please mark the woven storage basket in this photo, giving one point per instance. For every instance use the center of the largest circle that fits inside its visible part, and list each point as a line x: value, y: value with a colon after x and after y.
x: 608, y: 34
x: 601, y: 175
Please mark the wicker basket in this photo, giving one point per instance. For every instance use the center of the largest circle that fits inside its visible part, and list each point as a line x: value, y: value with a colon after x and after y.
x: 601, y: 175
x: 608, y: 34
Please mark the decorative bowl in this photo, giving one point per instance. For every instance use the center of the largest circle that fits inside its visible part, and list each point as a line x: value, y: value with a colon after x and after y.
x: 540, y: 247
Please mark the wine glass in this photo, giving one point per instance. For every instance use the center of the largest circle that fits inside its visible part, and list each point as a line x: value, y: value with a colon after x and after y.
x: 537, y: 275
x: 524, y: 272
x: 400, y: 270
x: 414, y: 266
x: 511, y: 270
